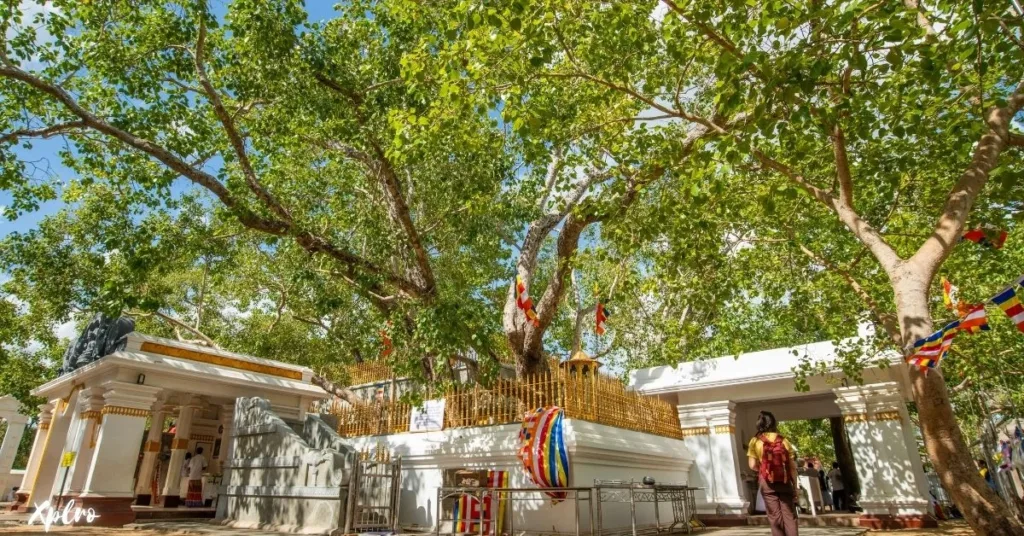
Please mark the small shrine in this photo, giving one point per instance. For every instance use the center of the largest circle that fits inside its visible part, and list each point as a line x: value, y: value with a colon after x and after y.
x: 581, y: 364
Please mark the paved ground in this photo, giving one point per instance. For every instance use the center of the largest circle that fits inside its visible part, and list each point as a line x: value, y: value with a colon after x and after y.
x: 10, y: 526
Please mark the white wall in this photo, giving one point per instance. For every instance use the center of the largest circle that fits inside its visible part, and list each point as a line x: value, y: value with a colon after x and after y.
x: 595, y: 452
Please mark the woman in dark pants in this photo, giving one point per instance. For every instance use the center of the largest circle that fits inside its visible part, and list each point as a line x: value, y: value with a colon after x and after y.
x: 771, y: 456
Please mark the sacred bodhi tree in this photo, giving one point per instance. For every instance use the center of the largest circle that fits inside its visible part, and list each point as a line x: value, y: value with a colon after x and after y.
x: 311, y: 136
x: 354, y: 155
x: 869, y: 128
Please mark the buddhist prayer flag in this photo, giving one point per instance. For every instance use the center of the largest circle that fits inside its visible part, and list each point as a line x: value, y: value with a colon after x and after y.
x: 1007, y: 301
x: 386, y: 342
x: 496, y: 479
x: 991, y: 239
x: 975, y: 319
x: 601, y: 317
x: 467, y: 515
x: 542, y: 450
x: 524, y: 302
x: 948, y: 294
x: 931, y: 349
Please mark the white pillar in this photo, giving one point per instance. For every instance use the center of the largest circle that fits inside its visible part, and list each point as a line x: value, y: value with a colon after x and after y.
x: 42, y: 430
x: 108, y: 486
x: 227, y: 436
x: 182, y: 433
x: 90, y: 407
x: 709, y: 431
x: 12, y: 438
x: 151, y: 454
x: 892, y: 480
x: 53, y: 448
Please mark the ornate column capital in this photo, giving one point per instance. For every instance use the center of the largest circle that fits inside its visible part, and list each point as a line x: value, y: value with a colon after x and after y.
x: 716, y: 416
x: 128, y: 399
x: 45, y: 415
x: 879, y: 401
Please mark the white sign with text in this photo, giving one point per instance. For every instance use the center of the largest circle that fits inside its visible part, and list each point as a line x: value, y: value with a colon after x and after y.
x: 428, y: 418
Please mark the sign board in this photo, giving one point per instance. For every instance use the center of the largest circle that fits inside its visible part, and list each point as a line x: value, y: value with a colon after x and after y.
x: 428, y: 418
x: 68, y: 459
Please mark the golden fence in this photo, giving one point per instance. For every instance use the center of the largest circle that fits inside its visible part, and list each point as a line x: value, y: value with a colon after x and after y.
x: 368, y: 372
x: 595, y: 398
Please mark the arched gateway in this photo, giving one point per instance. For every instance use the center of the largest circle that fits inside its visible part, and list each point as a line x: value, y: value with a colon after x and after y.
x: 719, y: 400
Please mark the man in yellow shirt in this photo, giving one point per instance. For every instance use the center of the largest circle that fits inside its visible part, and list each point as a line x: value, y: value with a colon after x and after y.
x: 771, y: 456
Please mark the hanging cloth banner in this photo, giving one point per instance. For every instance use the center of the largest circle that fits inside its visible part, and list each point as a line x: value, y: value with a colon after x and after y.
x: 496, y: 479
x: 468, y: 515
x: 524, y: 302
x: 948, y: 294
x: 542, y: 450
x: 985, y: 237
x: 601, y: 316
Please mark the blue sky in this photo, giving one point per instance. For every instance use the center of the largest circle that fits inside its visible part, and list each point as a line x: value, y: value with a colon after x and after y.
x: 44, y: 153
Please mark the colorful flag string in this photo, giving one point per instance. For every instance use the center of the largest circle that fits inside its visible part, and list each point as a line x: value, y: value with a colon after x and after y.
x: 930, y: 350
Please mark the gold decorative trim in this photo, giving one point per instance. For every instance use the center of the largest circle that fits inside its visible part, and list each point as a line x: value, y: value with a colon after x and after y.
x: 230, y: 362
x: 202, y: 438
x: 91, y: 414
x: 888, y: 416
x: 859, y: 417
x: 127, y: 412
x: 696, y: 431
x: 179, y: 443
x: 152, y: 446
x: 725, y: 429
x: 44, y: 426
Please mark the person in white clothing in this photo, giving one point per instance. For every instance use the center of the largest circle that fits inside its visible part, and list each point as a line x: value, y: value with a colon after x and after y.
x: 835, y: 480
x: 196, y: 466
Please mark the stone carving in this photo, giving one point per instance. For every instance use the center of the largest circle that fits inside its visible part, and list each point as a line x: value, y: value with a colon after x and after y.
x: 102, y: 336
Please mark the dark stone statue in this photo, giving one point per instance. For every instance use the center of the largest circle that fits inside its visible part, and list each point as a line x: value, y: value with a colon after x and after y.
x: 103, y: 336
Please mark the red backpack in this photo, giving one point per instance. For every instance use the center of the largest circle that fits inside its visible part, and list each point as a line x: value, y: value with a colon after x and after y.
x: 774, y: 460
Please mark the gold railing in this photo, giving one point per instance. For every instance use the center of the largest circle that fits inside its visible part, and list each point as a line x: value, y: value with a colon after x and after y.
x: 598, y: 399
x: 368, y: 372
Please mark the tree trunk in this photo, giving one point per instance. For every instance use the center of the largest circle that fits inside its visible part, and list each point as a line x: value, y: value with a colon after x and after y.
x: 986, y: 512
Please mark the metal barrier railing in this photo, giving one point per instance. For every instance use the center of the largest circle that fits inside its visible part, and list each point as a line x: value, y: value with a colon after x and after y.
x: 681, y: 498
x: 512, y: 495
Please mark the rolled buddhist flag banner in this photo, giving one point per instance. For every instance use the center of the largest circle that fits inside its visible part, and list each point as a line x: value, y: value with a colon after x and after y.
x: 542, y: 450
x: 1007, y: 301
x: 948, y: 294
x: 601, y: 317
x: 975, y: 319
x: 524, y: 302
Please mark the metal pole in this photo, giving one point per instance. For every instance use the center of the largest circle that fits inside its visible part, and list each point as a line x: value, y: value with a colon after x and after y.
x: 600, y: 516
x: 576, y: 502
x: 632, y: 508
x: 590, y: 504
x: 657, y: 514
x: 511, y: 514
x: 437, y: 517
x: 60, y: 497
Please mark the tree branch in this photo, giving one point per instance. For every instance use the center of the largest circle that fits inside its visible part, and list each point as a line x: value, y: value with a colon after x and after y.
x: 46, y: 132
x: 887, y: 320
x: 231, y: 131
x: 950, y: 226
x: 248, y: 218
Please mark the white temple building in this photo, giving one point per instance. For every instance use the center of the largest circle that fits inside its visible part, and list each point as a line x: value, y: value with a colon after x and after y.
x: 719, y: 401
x: 94, y: 427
